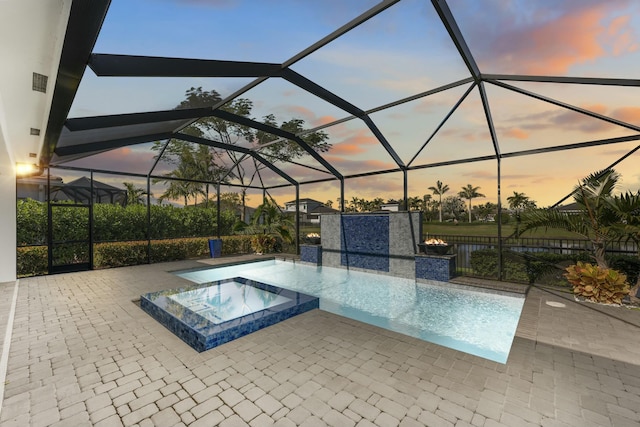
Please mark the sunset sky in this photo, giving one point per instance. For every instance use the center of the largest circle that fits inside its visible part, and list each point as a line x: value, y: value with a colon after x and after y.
x: 401, y: 52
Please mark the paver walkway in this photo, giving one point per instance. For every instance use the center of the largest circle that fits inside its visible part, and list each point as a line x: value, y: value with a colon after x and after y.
x: 83, y: 353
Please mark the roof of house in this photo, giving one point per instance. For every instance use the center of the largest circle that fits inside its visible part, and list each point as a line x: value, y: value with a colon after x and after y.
x: 323, y: 209
x: 303, y: 200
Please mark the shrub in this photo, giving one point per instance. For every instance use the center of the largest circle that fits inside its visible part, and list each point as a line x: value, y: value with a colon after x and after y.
x: 597, y: 284
x: 32, y: 260
x: 117, y: 223
x: 240, y: 244
x: 484, y: 263
x: 263, y: 243
x: 530, y: 267
x: 31, y: 222
x: 627, y: 264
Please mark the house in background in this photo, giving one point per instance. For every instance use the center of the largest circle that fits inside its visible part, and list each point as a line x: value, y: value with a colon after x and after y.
x: 77, y: 191
x: 392, y: 207
x: 310, y: 210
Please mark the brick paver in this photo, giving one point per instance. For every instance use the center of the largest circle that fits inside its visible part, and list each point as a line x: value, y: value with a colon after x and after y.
x: 83, y: 354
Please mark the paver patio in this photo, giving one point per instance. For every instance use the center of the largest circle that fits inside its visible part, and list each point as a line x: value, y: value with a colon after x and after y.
x: 82, y: 353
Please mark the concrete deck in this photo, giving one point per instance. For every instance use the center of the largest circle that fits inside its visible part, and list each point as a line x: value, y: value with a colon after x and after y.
x: 82, y: 353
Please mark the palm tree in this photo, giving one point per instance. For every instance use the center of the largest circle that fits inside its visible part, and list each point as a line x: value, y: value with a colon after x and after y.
x: 470, y: 192
x: 135, y: 195
x: 439, y: 190
x: 600, y: 218
x: 517, y: 202
x: 415, y: 203
x: 269, y: 220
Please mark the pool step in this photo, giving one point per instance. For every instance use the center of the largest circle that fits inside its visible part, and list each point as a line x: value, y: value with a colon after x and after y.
x: 519, y: 288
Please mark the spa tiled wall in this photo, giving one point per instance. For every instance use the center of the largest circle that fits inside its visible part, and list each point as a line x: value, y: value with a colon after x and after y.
x: 383, y: 242
x: 364, y: 242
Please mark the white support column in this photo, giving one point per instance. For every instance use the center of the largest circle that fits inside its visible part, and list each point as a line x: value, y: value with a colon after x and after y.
x: 7, y: 216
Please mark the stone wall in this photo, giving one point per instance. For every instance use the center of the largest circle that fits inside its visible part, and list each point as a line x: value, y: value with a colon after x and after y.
x: 382, y: 241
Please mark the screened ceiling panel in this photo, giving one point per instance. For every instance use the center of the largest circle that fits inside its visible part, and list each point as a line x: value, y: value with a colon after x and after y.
x: 83, y: 143
x: 549, y: 177
x: 526, y: 123
x: 552, y: 38
x: 222, y: 29
x: 286, y: 102
x: 120, y: 95
x: 407, y: 126
x: 400, y: 52
x: 355, y: 149
x: 135, y: 159
x: 464, y: 135
x: 328, y: 63
x: 302, y: 168
x: 250, y: 172
x: 617, y: 102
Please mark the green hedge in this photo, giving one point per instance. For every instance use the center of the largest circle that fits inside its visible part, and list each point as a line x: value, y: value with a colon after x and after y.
x: 32, y: 260
x: 542, y: 267
x: 118, y: 223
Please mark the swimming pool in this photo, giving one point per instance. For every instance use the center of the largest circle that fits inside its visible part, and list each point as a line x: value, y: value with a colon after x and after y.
x: 213, y: 313
x: 478, y: 323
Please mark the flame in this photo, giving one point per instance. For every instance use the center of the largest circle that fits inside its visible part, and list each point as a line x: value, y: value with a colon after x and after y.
x: 439, y: 242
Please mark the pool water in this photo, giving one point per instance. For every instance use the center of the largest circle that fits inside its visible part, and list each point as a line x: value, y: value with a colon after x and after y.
x: 226, y: 301
x: 478, y: 323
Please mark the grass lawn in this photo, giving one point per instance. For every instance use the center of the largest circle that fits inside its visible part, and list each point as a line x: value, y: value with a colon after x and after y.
x: 473, y: 229
x: 491, y: 229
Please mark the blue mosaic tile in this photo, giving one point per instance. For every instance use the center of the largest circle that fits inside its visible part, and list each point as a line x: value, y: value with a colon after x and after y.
x: 364, y: 241
x: 441, y: 268
x: 311, y: 253
x: 202, y: 334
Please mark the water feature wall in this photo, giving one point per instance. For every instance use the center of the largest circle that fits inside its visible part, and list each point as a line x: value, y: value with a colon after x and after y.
x: 381, y: 241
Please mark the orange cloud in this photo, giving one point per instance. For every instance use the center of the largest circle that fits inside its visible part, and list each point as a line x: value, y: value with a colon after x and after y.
x: 628, y: 114
x: 578, y: 36
x: 299, y: 110
x: 349, y: 166
x: 355, y: 144
x: 516, y: 133
x: 323, y: 120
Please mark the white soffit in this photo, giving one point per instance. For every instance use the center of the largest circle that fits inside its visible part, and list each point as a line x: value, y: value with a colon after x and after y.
x: 31, y: 38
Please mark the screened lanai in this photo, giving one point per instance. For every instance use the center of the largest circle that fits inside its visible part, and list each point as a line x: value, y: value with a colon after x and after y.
x: 336, y: 100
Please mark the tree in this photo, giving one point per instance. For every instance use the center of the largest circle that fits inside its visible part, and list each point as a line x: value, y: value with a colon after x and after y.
x: 329, y: 203
x: 415, y: 203
x: 470, y: 192
x: 135, y: 195
x: 599, y: 218
x: 275, y: 149
x: 519, y: 202
x: 179, y: 186
x: 484, y: 211
x: 230, y: 202
x: 453, y: 207
x: 268, y: 221
x: 439, y: 190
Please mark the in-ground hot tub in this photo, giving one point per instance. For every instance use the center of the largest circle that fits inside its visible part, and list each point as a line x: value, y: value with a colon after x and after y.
x: 210, y: 314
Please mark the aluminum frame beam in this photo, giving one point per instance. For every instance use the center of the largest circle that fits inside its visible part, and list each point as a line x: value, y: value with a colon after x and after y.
x: 100, y: 122
x: 109, y: 65
x: 97, y: 146
x: 449, y: 22
x: 83, y: 26
x: 561, y: 79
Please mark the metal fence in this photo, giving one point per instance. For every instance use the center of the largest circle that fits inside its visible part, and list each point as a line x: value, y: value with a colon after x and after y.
x: 465, y: 245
